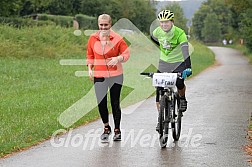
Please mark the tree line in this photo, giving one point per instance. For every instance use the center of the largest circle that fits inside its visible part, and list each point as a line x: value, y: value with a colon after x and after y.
x: 140, y: 12
x: 214, y: 21
x: 224, y: 19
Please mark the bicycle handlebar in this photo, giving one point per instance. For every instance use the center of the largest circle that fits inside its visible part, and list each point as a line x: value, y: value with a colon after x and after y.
x: 150, y: 74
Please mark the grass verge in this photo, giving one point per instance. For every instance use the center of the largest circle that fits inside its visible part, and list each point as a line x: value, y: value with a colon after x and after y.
x: 244, y: 50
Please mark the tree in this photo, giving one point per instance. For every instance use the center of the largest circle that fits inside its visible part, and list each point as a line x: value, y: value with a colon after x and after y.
x: 179, y: 17
x: 10, y: 7
x: 239, y: 6
x: 26, y: 9
x: 76, y: 7
x: 143, y: 15
x: 61, y: 7
x: 245, y: 28
x: 198, y: 21
x: 223, y: 13
x: 39, y: 6
x: 140, y: 12
x: 34, y: 6
x: 94, y: 7
x: 241, y: 12
x: 211, y: 31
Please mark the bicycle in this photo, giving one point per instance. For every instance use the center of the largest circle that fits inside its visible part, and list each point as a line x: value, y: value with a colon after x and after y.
x: 169, y: 115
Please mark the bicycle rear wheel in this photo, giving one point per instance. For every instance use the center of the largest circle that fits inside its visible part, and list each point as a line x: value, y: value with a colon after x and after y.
x: 163, y: 123
x: 177, y: 115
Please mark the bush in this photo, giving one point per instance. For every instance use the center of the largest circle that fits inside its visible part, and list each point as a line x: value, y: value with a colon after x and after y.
x: 63, y: 21
x: 245, y: 28
x: 86, y: 22
x: 22, y: 22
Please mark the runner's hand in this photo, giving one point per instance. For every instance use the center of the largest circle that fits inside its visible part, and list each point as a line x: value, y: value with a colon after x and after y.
x: 113, y: 61
x: 90, y: 72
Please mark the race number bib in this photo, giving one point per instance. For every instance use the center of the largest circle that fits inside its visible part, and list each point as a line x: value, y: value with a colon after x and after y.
x: 164, y: 79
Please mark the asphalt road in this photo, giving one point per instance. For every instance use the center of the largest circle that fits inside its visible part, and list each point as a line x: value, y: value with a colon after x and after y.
x: 213, y: 128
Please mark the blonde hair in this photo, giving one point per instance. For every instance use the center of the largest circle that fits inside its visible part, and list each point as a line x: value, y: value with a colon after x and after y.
x: 105, y: 17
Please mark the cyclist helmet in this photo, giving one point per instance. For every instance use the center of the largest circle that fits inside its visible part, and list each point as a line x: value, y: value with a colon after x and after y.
x: 165, y: 15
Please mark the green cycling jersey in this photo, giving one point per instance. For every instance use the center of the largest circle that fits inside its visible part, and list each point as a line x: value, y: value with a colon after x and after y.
x: 170, y: 43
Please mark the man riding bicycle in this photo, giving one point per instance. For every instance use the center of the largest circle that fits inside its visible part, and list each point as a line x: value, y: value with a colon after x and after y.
x: 174, y: 55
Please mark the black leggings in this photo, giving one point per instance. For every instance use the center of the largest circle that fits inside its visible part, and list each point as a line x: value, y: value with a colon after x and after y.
x: 114, y: 84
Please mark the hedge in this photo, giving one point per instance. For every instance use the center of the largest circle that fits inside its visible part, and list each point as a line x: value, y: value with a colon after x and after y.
x: 86, y: 22
x: 21, y: 22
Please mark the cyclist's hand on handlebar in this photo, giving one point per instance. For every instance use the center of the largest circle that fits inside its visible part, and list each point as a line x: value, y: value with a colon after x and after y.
x: 186, y: 73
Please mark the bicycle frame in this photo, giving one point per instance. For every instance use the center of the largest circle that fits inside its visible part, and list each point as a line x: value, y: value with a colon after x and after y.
x: 169, y: 114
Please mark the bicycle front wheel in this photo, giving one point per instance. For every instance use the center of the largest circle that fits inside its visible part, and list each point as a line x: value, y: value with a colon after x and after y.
x: 177, y: 115
x: 163, y: 123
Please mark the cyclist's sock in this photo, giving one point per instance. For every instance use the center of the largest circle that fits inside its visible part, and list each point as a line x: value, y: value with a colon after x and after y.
x: 158, y: 106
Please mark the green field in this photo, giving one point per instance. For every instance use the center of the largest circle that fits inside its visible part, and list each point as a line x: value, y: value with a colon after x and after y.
x: 36, y: 89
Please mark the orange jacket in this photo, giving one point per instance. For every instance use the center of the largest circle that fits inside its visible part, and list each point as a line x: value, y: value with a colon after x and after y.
x: 97, y: 55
